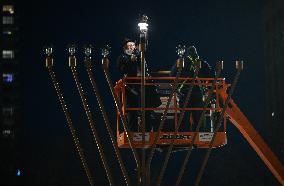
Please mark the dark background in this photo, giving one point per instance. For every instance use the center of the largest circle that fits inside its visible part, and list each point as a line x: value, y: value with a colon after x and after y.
x: 221, y: 30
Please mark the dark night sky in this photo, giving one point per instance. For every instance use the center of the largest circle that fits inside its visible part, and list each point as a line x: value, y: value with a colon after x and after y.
x: 226, y: 30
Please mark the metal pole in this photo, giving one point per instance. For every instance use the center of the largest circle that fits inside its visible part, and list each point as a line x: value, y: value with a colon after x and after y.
x: 161, y: 125
x: 72, y: 65
x: 79, y: 149
x: 218, y: 121
x: 105, y: 64
x: 88, y: 65
x: 142, y: 46
x: 167, y: 157
x: 219, y: 68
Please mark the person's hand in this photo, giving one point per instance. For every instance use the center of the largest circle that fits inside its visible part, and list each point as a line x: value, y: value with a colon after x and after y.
x: 133, y: 58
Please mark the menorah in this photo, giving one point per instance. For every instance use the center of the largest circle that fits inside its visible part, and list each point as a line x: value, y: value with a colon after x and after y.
x: 218, y: 107
x: 141, y: 142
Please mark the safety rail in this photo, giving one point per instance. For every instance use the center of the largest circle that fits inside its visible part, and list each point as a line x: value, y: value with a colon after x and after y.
x: 181, y: 138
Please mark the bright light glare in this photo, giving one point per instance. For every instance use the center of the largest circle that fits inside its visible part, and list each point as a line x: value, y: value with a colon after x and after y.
x: 143, y: 26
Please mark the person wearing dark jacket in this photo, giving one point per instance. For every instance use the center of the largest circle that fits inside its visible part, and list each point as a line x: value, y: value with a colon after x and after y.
x: 129, y: 61
x: 198, y: 91
x: 129, y: 65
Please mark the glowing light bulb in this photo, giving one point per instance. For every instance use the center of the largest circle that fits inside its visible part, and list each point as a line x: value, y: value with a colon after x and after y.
x: 18, y: 172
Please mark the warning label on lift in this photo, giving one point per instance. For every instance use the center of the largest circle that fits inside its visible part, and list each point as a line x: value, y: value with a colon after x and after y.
x: 177, y: 136
x: 137, y: 136
x: 205, y: 136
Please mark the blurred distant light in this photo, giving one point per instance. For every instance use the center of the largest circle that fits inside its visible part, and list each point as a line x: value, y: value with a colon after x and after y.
x: 272, y: 114
x: 7, y: 32
x: 7, y: 77
x: 8, y: 8
x: 8, y: 54
x: 6, y: 132
x: 18, y: 172
x: 7, y: 20
x: 8, y: 111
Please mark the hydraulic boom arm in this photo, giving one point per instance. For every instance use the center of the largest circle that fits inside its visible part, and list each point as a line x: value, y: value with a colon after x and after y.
x: 254, y: 139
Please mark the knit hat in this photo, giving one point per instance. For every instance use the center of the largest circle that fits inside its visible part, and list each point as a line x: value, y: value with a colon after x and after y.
x: 126, y: 40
